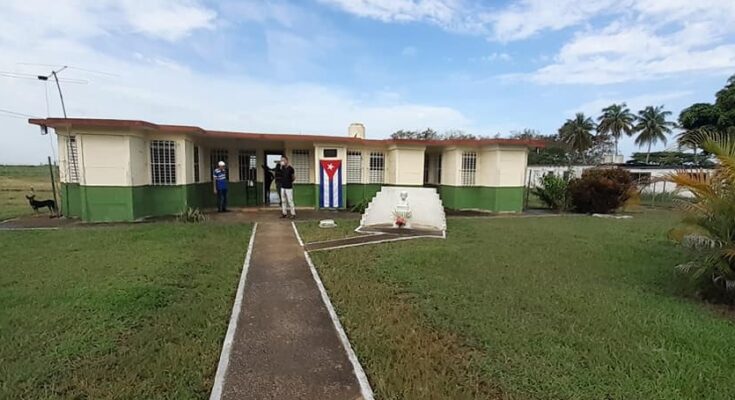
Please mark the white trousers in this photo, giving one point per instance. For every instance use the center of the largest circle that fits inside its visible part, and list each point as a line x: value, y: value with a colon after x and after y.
x: 287, y: 201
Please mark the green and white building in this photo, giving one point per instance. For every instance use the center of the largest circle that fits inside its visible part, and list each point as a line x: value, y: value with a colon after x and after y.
x: 125, y: 170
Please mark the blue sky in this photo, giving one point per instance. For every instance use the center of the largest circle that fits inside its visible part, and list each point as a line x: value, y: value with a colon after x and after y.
x: 314, y: 66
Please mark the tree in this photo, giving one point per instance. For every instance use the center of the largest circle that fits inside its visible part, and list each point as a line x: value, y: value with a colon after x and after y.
x: 426, y: 134
x: 725, y: 103
x: 615, y: 121
x: 457, y: 134
x: 670, y: 158
x: 577, y: 134
x: 652, y: 127
x: 712, y: 212
x: 695, y: 118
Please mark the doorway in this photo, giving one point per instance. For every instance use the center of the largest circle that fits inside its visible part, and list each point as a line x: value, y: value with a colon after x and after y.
x: 271, y: 197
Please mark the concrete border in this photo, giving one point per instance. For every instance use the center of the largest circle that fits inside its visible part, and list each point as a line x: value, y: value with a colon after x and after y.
x: 224, y: 359
x: 396, y: 239
x: 365, y: 389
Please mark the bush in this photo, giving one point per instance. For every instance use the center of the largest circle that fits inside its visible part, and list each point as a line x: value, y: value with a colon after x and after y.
x: 553, y: 191
x: 601, y: 190
x: 710, y: 218
x: 191, y: 215
x: 360, y: 206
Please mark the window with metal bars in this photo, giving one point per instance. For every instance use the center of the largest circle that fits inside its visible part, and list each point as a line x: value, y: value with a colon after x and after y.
x: 300, y: 164
x: 248, y: 166
x: 217, y: 155
x: 354, y: 167
x: 377, y: 167
x: 196, y: 164
x: 163, y: 162
x: 72, y: 160
x: 469, y: 168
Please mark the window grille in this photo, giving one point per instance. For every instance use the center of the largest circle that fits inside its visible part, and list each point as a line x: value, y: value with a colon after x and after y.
x: 354, y: 167
x: 469, y: 168
x: 248, y: 167
x: 377, y: 167
x: 217, y: 155
x: 163, y: 162
x: 72, y: 160
x: 300, y: 164
x: 196, y: 163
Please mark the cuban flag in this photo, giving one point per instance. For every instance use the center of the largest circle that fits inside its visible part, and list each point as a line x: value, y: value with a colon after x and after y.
x: 330, y: 193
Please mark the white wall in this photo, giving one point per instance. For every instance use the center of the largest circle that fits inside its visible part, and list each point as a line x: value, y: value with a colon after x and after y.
x: 657, y: 186
x: 406, y: 165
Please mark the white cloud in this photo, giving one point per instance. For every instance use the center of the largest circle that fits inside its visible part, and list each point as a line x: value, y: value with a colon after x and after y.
x: 161, y: 19
x: 159, y: 89
x: 529, y: 17
x: 453, y: 15
x: 616, y: 40
x: 495, y: 56
x: 629, y: 53
x: 169, y: 20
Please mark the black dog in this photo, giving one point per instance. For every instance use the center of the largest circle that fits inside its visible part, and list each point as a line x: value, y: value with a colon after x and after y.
x: 41, y: 204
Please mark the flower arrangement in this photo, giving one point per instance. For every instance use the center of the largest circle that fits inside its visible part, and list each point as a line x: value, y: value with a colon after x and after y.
x: 400, y: 221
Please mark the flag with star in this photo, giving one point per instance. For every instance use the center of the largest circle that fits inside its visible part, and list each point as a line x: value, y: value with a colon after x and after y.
x: 330, y: 193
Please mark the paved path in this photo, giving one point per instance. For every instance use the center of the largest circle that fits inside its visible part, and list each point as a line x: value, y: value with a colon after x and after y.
x: 285, y: 345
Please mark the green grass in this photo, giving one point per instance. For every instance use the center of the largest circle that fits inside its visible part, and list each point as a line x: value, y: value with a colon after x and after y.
x: 531, y: 308
x: 136, y: 311
x: 16, y: 182
x: 311, y: 232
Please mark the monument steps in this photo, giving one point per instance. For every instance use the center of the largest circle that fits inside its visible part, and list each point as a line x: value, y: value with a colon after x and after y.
x: 427, y: 209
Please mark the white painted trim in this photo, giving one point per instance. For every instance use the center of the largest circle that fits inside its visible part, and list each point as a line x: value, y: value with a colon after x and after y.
x: 296, y: 231
x: 365, y: 389
x: 224, y: 359
x: 2, y: 228
x: 382, y: 241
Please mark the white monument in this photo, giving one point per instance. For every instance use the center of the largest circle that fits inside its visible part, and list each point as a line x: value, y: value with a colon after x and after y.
x: 402, y: 212
x: 419, y: 208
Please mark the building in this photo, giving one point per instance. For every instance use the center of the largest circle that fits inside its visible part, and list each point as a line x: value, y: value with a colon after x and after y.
x: 124, y: 170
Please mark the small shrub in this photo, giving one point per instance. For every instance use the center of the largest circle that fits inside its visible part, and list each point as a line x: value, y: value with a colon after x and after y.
x: 553, y: 191
x: 601, y: 190
x: 360, y: 206
x: 191, y: 215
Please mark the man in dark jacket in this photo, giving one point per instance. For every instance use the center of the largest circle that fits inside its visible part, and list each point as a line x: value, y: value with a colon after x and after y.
x: 288, y: 175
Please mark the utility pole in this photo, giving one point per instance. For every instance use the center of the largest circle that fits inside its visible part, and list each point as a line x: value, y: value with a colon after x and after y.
x: 54, y: 74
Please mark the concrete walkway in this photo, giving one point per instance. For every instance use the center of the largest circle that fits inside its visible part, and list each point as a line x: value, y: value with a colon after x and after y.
x: 285, y: 345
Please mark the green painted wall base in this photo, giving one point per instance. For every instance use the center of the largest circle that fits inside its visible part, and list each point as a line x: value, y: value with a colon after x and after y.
x: 119, y: 203
x: 130, y: 203
x: 356, y: 192
x: 495, y: 199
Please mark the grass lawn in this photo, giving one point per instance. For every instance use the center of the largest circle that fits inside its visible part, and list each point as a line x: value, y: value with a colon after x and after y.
x: 136, y: 311
x: 311, y: 232
x: 531, y: 308
x: 16, y: 181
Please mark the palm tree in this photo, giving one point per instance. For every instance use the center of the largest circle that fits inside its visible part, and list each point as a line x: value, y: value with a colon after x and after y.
x: 652, y: 127
x: 577, y: 134
x: 712, y: 212
x: 616, y: 120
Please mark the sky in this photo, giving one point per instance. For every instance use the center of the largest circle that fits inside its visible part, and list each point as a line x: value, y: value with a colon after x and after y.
x: 315, y: 66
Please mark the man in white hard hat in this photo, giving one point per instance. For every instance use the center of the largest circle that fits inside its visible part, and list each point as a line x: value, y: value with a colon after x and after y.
x: 219, y: 176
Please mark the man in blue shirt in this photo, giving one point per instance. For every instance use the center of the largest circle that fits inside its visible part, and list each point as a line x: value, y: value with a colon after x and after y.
x: 220, y: 186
